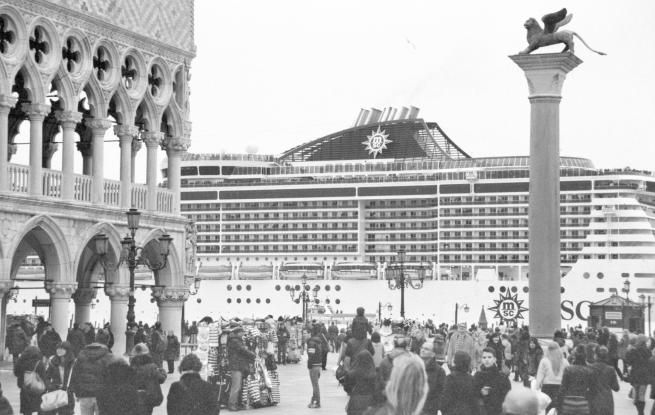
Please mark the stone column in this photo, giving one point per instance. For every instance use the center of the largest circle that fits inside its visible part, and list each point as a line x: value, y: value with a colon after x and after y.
x: 60, y: 294
x: 68, y: 121
x: 136, y: 146
x: 171, y: 302
x: 83, y: 298
x: 84, y: 147
x: 152, y: 140
x: 36, y: 114
x: 126, y: 134
x: 5, y: 286
x: 175, y: 148
x: 545, y: 74
x: 6, y: 104
x: 98, y: 128
x: 118, y: 295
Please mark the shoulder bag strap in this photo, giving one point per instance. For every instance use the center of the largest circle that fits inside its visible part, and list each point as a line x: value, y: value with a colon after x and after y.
x: 70, y: 374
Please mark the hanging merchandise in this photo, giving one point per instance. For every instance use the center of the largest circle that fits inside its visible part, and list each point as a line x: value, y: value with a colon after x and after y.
x: 203, y: 348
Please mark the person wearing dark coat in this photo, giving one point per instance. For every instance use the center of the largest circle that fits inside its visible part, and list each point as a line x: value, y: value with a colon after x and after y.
x: 603, y: 403
x: 637, y: 359
x: 89, y: 333
x: 119, y: 382
x: 578, y: 386
x: 140, y: 336
x: 535, y: 354
x: 148, y: 377
x: 76, y: 339
x: 499, y: 350
x: 191, y: 395
x: 460, y: 396
x: 361, y: 383
x: 172, y: 352
x: 102, y: 337
x: 157, y: 345
x: 110, y: 342
x: 58, y: 373
x: 491, y: 384
x: 360, y: 325
x: 49, y: 340
x: 283, y: 337
x: 314, y: 358
x: 17, y: 340
x: 436, y: 379
x: 89, y: 375
x: 30, y: 360
x: 239, y: 359
x: 5, y: 406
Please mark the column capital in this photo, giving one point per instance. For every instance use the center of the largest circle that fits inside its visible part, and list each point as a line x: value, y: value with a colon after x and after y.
x: 136, y: 146
x: 117, y: 292
x: 152, y: 138
x: 98, y: 125
x: 68, y: 118
x: 124, y: 130
x: 36, y: 111
x: 546, y: 72
x: 170, y: 295
x: 176, y: 144
x: 7, y: 102
x: 84, y: 296
x: 5, y: 286
x: 61, y: 290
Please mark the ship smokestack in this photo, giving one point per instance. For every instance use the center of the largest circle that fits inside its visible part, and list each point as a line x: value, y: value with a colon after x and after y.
x: 403, y: 113
x: 413, y: 113
x: 375, y: 116
x: 364, y: 117
x: 358, y: 120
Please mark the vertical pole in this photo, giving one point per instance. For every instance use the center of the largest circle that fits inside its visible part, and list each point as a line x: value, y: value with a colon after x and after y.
x: 456, y: 310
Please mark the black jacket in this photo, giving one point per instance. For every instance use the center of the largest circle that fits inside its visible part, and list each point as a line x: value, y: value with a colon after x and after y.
x: 459, y: 396
x: 239, y: 357
x: 436, y: 382
x: 314, y: 352
x: 192, y: 396
x: 89, y: 371
x: 76, y: 339
x: 499, y: 384
x: 48, y: 342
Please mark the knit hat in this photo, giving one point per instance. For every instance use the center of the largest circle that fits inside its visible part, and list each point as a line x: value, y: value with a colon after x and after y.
x: 140, y: 349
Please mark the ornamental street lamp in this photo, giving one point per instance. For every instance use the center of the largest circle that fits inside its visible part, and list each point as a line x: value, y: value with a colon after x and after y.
x: 398, y: 279
x: 646, y: 306
x: 626, y: 290
x: 300, y: 293
x: 458, y: 307
x: 132, y: 255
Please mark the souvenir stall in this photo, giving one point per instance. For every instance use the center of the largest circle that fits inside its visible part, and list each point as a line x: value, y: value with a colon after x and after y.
x: 261, y: 387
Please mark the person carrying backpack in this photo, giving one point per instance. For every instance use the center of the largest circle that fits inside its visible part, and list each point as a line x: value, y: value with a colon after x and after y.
x: 148, y: 379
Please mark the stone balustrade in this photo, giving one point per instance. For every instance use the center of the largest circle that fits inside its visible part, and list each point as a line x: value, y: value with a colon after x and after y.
x: 19, y: 182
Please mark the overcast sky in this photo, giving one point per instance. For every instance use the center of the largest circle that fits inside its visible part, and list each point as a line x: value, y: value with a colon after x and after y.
x: 275, y: 74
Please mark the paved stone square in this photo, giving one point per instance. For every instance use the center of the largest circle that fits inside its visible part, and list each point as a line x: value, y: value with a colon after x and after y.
x: 295, y: 392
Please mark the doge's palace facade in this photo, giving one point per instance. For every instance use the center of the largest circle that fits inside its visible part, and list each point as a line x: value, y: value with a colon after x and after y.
x: 85, y: 74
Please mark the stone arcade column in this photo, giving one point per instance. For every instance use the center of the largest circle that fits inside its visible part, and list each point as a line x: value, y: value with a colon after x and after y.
x: 98, y: 128
x: 545, y: 74
x: 60, y: 294
x: 83, y: 298
x: 136, y: 146
x: 175, y: 149
x: 152, y: 140
x: 5, y: 286
x: 171, y: 301
x: 68, y: 121
x: 119, y: 295
x: 126, y: 134
x: 36, y: 114
x: 6, y: 104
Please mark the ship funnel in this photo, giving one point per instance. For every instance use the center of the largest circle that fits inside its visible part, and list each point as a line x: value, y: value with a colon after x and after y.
x: 364, y: 117
x: 392, y: 114
x: 375, y: 116
x: 403, y: 113
x: 413, y: 113
x: 358, y: 120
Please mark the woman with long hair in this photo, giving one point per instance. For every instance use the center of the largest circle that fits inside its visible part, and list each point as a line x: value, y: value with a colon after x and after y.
x: 406, y: 389
x: 58, y: 373
x: 459, y: 395
x: 578, y: 385
x: 603, y: 402
x: 535, y: 353
x: 361, y: 380
x: 550, y: 371
x: 31, y: 360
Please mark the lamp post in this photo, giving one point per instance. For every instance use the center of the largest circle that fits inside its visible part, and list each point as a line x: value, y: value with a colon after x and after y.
x: 397, y: 279
x: 458, y: 306
x: 132, y: 255
x: 300, y: 293
x: 626, y: 290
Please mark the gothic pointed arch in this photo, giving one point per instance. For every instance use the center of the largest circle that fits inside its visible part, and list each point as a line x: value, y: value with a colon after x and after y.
x: 172, y: 274
x: 121, y: 107
x: 87, y: 259
x: 36, y: 92
x: 173, y: 122
x: 96, y: 98
x: 150, y: 114
x: 65, y: 91
x: 43, y: 236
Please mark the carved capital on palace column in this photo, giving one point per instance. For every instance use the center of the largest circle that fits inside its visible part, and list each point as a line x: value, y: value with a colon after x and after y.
x: 49, y: 149
x: 98, y: 125
x: 84, y: 296
x: 61, y: 290
x: 117, y: 292
x: 68, y: 119
x: 170, y: 295
x: 152, y: 138
x: 136, y: 146
x: 36, y: 111
x: 126, y: 133
x: 176, y: 144
x: 13, y: 149
x: 7, y: 102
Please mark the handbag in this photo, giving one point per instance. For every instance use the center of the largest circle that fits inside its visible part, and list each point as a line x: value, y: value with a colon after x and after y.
x: 33, y: 382
x: 56, y: 399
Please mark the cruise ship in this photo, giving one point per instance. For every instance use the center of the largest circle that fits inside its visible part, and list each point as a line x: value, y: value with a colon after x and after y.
x: 338, y: 210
